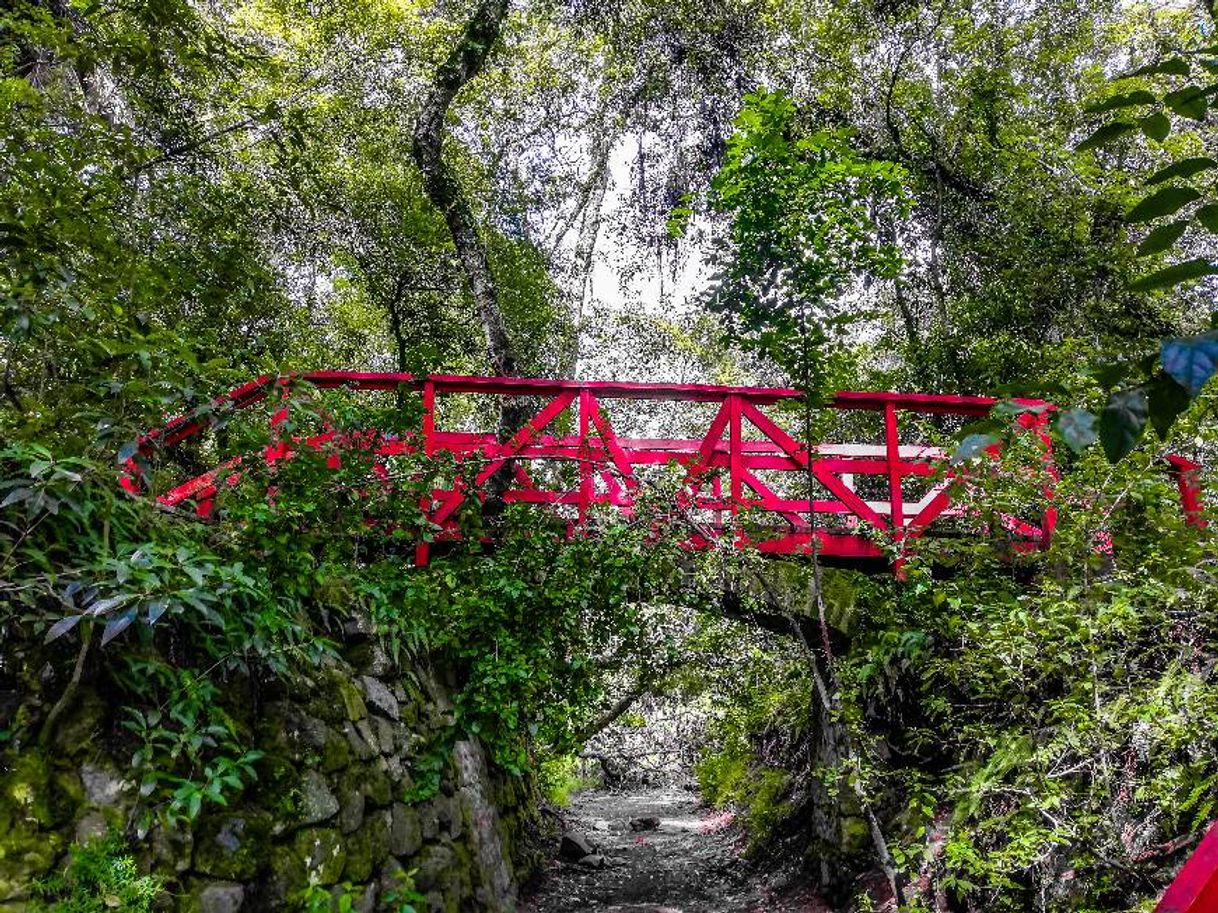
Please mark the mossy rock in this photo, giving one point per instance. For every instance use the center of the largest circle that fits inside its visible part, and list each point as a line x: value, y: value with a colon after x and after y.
x: 433, y: 863
x: 286, y: 878
x: 337, y: 698
x: 353, y: 701
x: 367, y: 848
x: 233, y: 846
x: 406, y: 833
x: 303, y: 738
x: 378, y: 787
x: 324, y: 853
x: 213, y: 897
x: 75, y: 732
x: 26, y: 853
x: 278, y: 787
x: 36, y: 792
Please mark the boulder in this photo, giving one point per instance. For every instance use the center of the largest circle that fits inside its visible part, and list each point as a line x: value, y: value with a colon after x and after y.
x: 324, y: 853
x: 317, y: 802
x: 221, y: 897
x: 406, y: 833
x: 377, y: 693
x: 351, y: 812
x: 593, y: 861
x: 103, y: 787
x: 233, y: 846
x: 650, y: 823
x: 574, y: 846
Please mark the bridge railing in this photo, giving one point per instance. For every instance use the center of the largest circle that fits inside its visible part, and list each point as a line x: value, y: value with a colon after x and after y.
x: 742, y: 472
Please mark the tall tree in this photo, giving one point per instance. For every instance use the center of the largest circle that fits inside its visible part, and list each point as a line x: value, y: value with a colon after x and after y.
x: 442, y: 185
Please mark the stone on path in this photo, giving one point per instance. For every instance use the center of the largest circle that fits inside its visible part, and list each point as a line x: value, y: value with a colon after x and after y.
x: 650, y: 823
x: 574, y: 847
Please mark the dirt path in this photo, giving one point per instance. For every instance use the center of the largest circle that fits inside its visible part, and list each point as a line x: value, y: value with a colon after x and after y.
x: 690, y: 864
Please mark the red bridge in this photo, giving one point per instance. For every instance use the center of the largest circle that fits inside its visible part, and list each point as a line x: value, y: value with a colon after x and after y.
x: 743, y: 472
x: 738, y: 473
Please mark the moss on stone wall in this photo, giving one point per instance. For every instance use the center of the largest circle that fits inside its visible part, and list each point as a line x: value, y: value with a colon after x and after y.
x: 329, y: 806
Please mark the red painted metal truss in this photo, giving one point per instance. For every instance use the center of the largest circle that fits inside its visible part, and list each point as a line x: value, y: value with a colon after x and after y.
x: 1195, y: 889
x: 728, y: 475
x: 739, y: 468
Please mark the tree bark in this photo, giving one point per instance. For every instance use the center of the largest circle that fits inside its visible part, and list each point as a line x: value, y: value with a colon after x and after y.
x: 610, y: 716
x: 440, y: 183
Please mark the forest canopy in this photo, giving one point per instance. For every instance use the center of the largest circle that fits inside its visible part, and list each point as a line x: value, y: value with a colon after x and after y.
x: 1012, y: 198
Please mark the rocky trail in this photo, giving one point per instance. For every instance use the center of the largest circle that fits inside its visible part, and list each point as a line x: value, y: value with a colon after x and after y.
x: 656, y: 851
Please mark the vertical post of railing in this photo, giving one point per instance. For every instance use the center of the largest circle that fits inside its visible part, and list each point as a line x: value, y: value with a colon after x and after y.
x: 1037, y: 422
x: 422, y: 551
x: 429, y: 417
x: 896, y: 498
x: 735, y: 457
x: 584, y: 456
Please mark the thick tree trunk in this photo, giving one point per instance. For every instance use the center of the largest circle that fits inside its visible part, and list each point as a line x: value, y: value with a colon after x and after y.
x: 440, y: 182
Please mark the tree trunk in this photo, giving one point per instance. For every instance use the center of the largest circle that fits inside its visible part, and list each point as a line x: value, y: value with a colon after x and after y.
x: 440, y: 183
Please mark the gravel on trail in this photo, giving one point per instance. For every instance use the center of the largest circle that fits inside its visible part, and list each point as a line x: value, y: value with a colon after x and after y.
x: 689, y: 864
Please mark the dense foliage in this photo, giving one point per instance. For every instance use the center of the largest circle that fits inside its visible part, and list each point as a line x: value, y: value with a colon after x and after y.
x: 890, y: 194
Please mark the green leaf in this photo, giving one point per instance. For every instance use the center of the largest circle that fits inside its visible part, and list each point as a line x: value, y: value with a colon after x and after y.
x: 1163, y: 203
x: 1174, y: 275
x: 1207, y: 215
x: 1010, y: 408
x: 117, y: 625
x: 1191, y: 360
x: 62, y: 627
x: 1167, y: 400
x: 1122, y: 423
x: 17, y: 494
x: 1156, y: 126
x: 1185, y: 168
x: 1123, y: 100
x: 972, y: 446
x: 127, y: 451
x: 1077, y: 428
x: 1162, y: 237
x: 1188, y: 102
x: 1111, y: 374
x: 102, y: 606
x: 1172, y: 66
x: 156, y: 609
x: 1105, y: 134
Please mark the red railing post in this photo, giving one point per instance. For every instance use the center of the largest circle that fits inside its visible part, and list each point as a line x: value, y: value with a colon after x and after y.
x: 735, y: 457
x: 422, y: 550
x: 429, y: 418
x: 1186, y: 473
x: 584, y: 456
x: 896, y: 497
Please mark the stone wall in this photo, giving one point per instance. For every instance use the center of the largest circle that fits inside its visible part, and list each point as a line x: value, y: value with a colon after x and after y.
x: 335, y: 803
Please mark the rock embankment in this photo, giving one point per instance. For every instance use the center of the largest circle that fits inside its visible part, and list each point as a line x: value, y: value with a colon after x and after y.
x: 336, y: 805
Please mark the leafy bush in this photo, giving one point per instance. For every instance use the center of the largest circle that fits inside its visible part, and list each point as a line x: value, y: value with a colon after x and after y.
x: 100, y: 877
